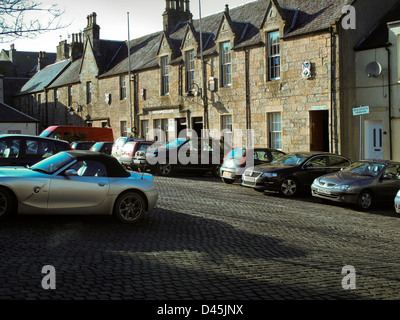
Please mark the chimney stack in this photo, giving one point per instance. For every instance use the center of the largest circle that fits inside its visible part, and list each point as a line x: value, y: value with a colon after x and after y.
x: 92, y: 32
x: 42, y: 60
x: 76, y: 46
x: 62, y: 51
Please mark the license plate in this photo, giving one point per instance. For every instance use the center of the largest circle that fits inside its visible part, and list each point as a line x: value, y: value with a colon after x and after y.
x: 324, y: 191
x: 249, y: 179
x: 137, y: 161
x: 227, y: 174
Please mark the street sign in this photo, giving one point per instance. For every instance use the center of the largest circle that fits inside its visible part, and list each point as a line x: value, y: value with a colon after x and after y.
x: 360, y: 110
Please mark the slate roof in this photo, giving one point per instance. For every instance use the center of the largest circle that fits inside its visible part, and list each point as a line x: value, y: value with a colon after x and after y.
x: 9, y: 114
x: 44, y: 77
x: 69, y: 76
x: 378, y: 36
x: 25, y: 61
x: 300, y: 16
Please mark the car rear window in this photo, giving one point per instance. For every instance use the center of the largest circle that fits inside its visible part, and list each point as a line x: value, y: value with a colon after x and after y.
x: 235, y: 154
x: 128, y: 147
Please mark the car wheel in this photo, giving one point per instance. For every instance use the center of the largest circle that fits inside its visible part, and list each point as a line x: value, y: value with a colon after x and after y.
x: 165, y: 169
x: 129, y: 207
x: 6, y: 204
x: 228, y: 181
x: 289, y: 187
x: 365, y: 200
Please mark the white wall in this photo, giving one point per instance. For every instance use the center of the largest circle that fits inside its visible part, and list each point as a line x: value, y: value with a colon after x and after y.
x: 18, y: 128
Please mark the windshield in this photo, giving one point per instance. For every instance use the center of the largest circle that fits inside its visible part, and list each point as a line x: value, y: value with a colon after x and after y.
x: 53, y: 163
x: 96, y: 147
x: 291, y: 159
x: 47, y: 134
x: 175, y: 143
x: 365, y: 168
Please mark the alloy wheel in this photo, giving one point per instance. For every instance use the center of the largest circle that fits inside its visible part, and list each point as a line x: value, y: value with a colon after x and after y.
x: 289, y: 187
x: 130, y: 208
x: 365, y: 200
x: 165, y: 169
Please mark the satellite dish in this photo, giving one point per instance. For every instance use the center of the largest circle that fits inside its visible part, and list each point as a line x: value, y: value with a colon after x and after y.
x: 373, y: 69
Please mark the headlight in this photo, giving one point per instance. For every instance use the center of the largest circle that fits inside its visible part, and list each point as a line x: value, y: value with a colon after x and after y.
x: 269, y: 175
x: 344, y: 187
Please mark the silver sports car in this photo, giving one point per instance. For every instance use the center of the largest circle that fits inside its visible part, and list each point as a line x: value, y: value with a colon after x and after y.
x: 77, y: 182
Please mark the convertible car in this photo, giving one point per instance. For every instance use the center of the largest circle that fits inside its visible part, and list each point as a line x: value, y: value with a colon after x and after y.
x: 78, y: 181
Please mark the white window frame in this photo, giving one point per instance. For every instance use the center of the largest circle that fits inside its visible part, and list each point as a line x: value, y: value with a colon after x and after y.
x: 88, y: 92
x: 274, y: 56
x: 226, y: 63
x: 190, y: 67
x: 164, y: 76
x: 275, y: 130
x: 122, y: 87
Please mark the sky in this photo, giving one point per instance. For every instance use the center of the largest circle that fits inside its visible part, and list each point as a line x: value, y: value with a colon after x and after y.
x: 145, y: 17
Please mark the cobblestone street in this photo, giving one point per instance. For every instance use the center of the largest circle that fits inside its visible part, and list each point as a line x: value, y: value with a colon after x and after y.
x: 206, y: 241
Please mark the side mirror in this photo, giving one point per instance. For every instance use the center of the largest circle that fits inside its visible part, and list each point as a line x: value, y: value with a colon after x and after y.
x: 71, y: 172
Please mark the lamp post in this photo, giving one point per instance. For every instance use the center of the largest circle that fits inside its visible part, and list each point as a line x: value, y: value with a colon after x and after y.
x: 79, y: 108
x: 203, y: 78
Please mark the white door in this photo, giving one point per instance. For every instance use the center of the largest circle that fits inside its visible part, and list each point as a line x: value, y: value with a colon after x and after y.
x: 373, y: 140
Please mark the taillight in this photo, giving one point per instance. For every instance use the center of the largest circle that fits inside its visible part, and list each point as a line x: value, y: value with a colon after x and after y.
x: 243, y: 160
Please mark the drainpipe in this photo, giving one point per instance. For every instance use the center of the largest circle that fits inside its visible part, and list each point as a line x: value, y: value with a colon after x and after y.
x: 247, y: 86
x: 333, y: 89
x: 387, y: 45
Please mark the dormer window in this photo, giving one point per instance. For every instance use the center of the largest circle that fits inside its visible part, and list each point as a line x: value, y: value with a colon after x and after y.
x: 164, y: 76
x: 88, y: 92
x: 226, y: 64
x: 189, y: 70
x: 274, y: 56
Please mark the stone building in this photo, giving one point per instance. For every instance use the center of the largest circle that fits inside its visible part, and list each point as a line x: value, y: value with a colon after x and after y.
x: 282, y: 68
x: 377, y: 89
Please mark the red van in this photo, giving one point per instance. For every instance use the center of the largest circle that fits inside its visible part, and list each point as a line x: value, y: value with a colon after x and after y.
x: 74, y: 133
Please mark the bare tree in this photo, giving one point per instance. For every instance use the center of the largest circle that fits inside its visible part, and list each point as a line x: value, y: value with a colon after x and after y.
x: 27, y: 19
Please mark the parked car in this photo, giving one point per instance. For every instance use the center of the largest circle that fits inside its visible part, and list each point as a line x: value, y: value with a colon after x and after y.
x: 26, y: 150
x: 77, y: 182
x: 126, y: 157
x: 77, y: 133
x: 139, y: 159
x: 293, y: 172
x: 119, y: 143
x: 102, y: 147
x: 397, y: 202
x: 185, y: 155
x: 237, y: 160
x: 82, y: 145
x: 363, y: 183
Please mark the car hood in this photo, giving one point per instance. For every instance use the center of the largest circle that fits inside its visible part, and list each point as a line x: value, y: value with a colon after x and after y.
x: 272, y: 167
x: 343, y: 178
x: 19, y: 172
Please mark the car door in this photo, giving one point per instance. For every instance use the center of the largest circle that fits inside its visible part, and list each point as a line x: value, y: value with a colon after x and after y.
x: 84, y: 187
x: 314, y: 168
x: 389, y: 183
